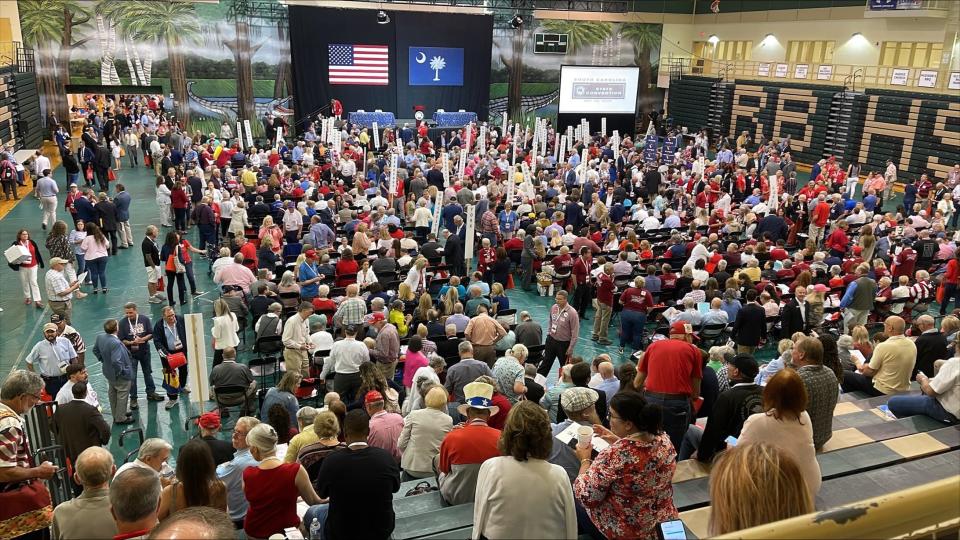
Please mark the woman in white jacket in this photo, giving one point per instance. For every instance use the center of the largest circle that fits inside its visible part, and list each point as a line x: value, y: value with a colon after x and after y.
x: 163, y: 202
x: 238, y: 219
x: 521, y: 475
x: 423, y: 431
x: 225, y: 328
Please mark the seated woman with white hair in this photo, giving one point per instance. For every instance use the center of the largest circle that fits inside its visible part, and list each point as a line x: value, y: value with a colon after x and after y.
x: 272, y: 487
x: 423, y: 431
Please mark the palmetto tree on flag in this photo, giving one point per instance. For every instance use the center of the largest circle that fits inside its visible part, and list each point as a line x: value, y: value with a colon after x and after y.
x: 436, y: 64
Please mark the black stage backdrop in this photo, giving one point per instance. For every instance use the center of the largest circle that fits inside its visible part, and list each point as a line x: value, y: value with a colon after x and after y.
x: 312, y: 29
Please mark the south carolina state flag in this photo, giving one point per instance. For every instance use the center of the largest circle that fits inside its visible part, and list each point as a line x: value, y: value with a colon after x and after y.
x: 436, y: 66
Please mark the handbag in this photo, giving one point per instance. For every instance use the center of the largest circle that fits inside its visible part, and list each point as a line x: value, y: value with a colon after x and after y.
x: 24, y: 506
x: 175, y: 360
x: 123, y: 152
x: 111, y: 176
x: 171, y: 381
x: 420, y: 489
x: 90, y: 174
x: 178, y: 265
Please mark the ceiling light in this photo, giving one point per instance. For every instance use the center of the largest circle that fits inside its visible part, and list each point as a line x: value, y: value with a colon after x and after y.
x: 713, y: 39
x: 382, y: 17
x: 516, y: 21
x: 856, y: 35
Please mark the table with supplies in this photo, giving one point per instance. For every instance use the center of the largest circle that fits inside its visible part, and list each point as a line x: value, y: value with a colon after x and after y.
x: 454, y: 119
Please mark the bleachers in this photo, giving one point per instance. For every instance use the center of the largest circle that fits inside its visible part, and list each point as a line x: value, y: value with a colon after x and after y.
x: 870, y: 454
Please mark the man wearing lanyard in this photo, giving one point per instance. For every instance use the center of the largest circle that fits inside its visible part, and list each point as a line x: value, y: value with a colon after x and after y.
x: 309, y: 276
x: 135, y: 331
x: 52, y: 355
x: 562, y: 337
x: 170, y: 336
x: 581, y: 274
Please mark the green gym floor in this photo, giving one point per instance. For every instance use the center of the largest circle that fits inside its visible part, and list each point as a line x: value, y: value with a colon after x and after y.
x: 126, y: 280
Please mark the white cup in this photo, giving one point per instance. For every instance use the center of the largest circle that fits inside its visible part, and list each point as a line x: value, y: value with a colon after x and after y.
x: 584, y: 435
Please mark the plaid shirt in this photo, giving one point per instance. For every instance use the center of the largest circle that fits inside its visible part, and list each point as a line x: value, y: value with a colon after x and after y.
x: 919, y: 291
x: 14, y: 451
x: 489, y: 223
x: 57, y: 285
x: 351, y: 311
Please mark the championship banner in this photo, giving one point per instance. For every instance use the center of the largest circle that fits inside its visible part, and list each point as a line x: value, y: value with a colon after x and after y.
x: 376, y: 136
x: 471, y: 231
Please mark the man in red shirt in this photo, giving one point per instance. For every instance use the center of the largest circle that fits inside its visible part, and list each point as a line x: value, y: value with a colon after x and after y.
x: 468, y: 445
x: 819, y: 217
x: 838, y: 241
x: 581, y: 277
x: 669, y: 373
x: 636, y: 301
x: 905, y: 261
x: 951, y: 283
x: 604, y: 304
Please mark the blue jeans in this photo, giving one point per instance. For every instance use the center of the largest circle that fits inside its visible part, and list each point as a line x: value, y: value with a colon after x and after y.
x: 143, y: 363
x: 82, y: 266
x: 691, y: 441
x: 73, y: 178
x: 98, y: 272
x: 676, y: 417
x: 318, y: 512
x: 631, y: 328
x: 902, y: 406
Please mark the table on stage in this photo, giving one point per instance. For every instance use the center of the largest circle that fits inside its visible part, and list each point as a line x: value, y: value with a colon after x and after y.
x: 454, y: 119
x: 366, y: 119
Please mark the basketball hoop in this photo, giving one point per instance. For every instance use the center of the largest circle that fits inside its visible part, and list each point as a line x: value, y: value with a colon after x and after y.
x: 715, y: 6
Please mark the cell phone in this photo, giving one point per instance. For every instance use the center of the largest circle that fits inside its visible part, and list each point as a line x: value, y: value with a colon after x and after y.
x: 671, y: 530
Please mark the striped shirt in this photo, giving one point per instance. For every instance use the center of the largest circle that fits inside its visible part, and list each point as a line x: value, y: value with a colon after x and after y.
x: 14, y: 449
x: 919, y: 291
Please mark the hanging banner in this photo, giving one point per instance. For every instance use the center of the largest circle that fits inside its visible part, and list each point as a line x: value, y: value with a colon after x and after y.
x: 471, y: 232
x: 376, y: 136
x: 763, y: 69
x: 899, y: 77
x: 927, y: 79
x: 781, y: 70
x: 650, y: 145
x: 824, y: 72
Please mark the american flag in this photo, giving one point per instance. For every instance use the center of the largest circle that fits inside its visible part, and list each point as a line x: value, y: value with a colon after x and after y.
x: 359, y: 64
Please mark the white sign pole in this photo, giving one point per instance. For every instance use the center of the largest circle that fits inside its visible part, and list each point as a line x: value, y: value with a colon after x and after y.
x: 446, y: 170
x: 562, y: 149
x: 437, y: 206
x: 583, y: 166
x: 511, y: 183
x: 482, y: 140
x: 239, y: 134
x: 246, y: 125
x: 603, y: 126
x: 394, y: 162
x: 461, y: 164
x: 376, y: 136
x: 196, y: 358
x: 503, y: 126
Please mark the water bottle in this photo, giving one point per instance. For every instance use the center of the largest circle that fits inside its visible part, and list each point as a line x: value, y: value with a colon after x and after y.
x: 315, y: 530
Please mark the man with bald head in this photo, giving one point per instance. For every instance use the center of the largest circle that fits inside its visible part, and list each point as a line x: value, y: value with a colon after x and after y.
x: 609, y: 383
x: 196, y: 523
x: 931, y: 346
x: 88, y: 516
x: 890, y: 368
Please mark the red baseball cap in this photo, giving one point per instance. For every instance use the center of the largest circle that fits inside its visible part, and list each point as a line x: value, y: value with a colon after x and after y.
x: 210, y: 420
x: 310, y: 253
x: 376, y: 317
x: 373, y: 396
x: 682, y: 328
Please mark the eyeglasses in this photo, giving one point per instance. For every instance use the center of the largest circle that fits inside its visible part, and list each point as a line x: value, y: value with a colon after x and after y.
x: 38, y: 397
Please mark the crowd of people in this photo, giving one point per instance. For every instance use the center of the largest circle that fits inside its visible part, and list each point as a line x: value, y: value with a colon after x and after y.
x: 361, y: 289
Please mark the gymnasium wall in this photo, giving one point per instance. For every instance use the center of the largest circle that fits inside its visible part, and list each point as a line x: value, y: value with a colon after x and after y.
x: 767, y: 111
x: 919, y: 132
x: 19, y: 110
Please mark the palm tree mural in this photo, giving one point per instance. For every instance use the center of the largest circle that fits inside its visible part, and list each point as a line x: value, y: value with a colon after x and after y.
x: 436, y: 64
x: 580, y: 33
x: 240, y: 13
x: 175, y: 24
x: 645, y: 39
x: 132, y: 28
x: 48, y: 26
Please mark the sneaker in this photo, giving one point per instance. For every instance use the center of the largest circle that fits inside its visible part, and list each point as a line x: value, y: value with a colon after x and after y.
x: 161, y: 296
x: 43, y: 226
x: 134, y: 405
x: 96, y: 291
x: 197, y: 293
x: 155, y: 397
x: 155, y: 300
x: 80, y: 295
x: 620, y: 350
x: 170, y: 404
x: 594, y: 338
x: 184, y: 390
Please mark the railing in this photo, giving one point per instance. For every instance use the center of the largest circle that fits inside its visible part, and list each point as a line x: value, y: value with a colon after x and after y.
x: 13, y: 55
x: 927, y: 511
x: 851, y: 76
x: 8, y: 53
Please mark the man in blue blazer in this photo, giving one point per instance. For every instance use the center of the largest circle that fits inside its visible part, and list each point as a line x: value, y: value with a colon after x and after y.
x: 118, y: 370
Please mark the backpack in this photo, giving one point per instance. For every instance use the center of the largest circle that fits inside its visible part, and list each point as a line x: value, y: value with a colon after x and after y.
x: 8, y: 173
x: 420, y: 489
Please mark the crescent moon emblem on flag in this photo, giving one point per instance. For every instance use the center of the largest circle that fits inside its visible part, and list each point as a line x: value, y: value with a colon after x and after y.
x: 421, y: 58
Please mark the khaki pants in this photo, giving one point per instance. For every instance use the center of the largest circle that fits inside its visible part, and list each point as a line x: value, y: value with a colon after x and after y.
x: 745, y: 349
x: 64, y: 309
x: 49, y: 206
x: 125, y: 234
x: 485, y: 353
x: 387, y: 370
x: 601, y: 322
x: 815, y: 232
x: 297, y: 361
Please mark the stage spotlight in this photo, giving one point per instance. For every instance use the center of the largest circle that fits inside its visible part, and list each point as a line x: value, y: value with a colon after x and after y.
x: 382, y: 17
x: 516, y: 21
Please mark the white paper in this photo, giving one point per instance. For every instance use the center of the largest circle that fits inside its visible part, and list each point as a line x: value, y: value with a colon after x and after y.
x: 857, y: 357
x: 82, y: 277
x: 570, y: 434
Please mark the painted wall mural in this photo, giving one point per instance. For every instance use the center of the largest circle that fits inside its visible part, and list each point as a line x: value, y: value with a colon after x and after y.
x: 217, y: 62
x: 536, y: 91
